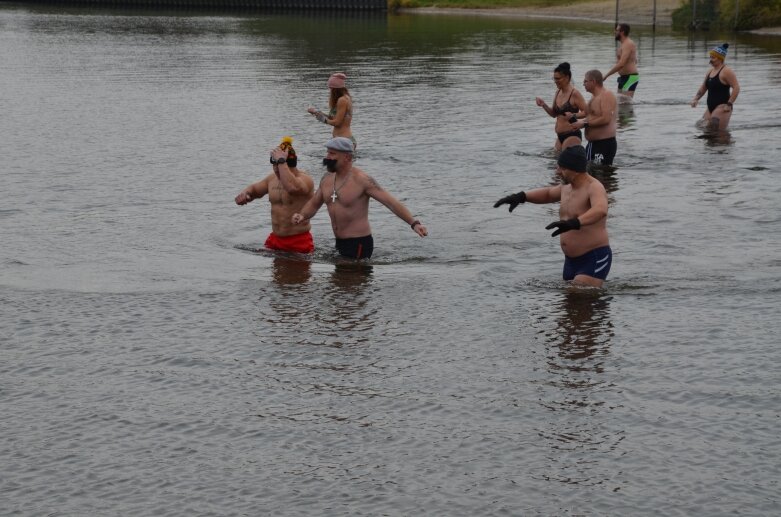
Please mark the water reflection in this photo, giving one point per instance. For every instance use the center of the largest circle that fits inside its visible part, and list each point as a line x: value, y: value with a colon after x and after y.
x: 716, y: 137
x: 579, y: 432
x: 291, y: 270
x: 351, y: 277
x: 606, y: 175
x: 584, y: 329
x: 345, y: 316
x: 284, y: 303
x: 626, y: 114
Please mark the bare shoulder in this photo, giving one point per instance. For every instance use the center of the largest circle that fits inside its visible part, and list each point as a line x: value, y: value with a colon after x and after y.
x: 322, y: 180
x: 596, y: 187
x: 368, y: 182
x: 359, y: 175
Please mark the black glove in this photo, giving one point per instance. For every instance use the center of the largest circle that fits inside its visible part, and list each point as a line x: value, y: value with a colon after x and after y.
x: 564, y: 226
x: 513, y: 200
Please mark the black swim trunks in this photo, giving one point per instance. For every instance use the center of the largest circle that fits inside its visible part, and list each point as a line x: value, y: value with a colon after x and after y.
x: 602, y: 152
x: 356, y: 247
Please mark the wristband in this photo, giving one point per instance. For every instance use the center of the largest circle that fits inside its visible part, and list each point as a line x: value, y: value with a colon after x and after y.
x: 415, y: 222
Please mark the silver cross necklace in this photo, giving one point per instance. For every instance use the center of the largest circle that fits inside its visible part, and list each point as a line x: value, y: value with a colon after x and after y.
x: 334, y: 195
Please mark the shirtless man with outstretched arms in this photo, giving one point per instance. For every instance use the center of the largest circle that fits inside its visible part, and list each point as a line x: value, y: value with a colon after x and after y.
x: 346, y: 191
x: 583, y: 218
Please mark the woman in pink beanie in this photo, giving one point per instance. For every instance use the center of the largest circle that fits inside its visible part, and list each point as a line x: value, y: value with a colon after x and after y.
x: 340, y: 114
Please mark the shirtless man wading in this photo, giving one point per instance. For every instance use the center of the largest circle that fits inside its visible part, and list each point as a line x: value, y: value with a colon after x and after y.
x: 583, y: 213
x: 346, y: 192
x: 288, y: 189
x: 601, y: 122
x: 626, y: 62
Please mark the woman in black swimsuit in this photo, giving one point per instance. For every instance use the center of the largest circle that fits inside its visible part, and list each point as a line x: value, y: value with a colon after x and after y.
x: 718, y: 82
x: 567, y: 102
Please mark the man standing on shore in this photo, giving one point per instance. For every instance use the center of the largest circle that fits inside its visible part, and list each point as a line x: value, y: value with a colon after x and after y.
x: 601, y: 121
x: 626, y: 62
x: 346, y: 192
x: 583, y: 218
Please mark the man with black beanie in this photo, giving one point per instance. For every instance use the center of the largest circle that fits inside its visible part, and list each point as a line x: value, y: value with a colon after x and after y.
x: 583, y: 212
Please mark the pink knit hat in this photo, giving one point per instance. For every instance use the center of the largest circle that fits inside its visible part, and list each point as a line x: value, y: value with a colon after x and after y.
x: 337, y: 80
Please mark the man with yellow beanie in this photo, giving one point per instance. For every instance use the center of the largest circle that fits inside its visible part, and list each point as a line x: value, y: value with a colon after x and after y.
x: 288, y: 189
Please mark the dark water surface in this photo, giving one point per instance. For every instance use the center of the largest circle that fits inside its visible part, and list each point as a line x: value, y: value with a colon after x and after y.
x: 151, y: 365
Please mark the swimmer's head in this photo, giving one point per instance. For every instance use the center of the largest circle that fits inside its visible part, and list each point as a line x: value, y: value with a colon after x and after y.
x: 719, y: 52
x: 573, y: 158
x: 337, y: 80
x: 563, y: 70
x: 340, y: 150
x: 341, y: 144
x: 622, y: 28
x: 594, y: 75
x: 287, y: 145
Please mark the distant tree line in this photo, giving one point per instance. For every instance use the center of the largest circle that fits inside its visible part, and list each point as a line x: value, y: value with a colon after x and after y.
x: 727, y: 14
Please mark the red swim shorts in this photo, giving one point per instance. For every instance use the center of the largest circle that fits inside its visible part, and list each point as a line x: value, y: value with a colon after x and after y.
x: 300, y: 243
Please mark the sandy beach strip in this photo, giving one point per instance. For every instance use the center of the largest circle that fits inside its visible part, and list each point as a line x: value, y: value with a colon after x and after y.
x: 634, y: 12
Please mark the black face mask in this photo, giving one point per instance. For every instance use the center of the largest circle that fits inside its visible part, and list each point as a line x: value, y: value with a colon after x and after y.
x: 330, y: 165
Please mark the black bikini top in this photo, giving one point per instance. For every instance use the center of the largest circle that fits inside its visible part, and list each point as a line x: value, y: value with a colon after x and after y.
x: 565, y: 107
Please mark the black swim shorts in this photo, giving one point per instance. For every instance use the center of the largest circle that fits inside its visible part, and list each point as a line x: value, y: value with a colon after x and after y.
x: 356, y: 247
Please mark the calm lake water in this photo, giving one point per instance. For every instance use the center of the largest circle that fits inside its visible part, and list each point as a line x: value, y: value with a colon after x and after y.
x: 152, y: 364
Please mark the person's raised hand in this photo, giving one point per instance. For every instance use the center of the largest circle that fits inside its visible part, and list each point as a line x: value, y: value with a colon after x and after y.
x: 243, y: 198
x: 564, y: 226
x: 513, y: 200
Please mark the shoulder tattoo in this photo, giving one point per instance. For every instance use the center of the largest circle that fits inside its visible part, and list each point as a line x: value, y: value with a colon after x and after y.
x: 373, y: 183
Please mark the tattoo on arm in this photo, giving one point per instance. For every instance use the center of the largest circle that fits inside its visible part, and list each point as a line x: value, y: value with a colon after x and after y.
x: 373, y: 183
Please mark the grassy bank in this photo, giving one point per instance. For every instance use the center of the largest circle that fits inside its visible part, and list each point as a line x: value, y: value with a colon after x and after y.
x: 728, y: 14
